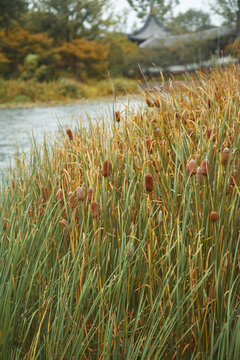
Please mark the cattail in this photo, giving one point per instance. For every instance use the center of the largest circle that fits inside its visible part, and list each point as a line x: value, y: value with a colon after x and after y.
x: 107, y: 168
x: 157, y: 103
x: 70, y: 135
x: 199, y: 175
x: 149, y: 103
x: 234, y: 177
x: 46, y: 191
x: 80, y: 193
x: 13, y: 183
x: 43, y: 194
x: 148, y: 182
x: 133, y: 214
x: 228, y: 188
x: 190, y: 132
x: 59, y: 194
x: 94, y: 209
x: 90, y: 192
x: 64, y: 223
x: 213, y: 216
x: 225, y: 155
x: 160, y: 217
x: 149, y: 144
x: 71, y: 199
x: 209, y: 133
x: 5, y: 224
x: 205, y: 167
x: 191, y: 167
x: 117, y: 116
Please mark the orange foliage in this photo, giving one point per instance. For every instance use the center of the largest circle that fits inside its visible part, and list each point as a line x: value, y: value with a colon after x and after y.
x: 83, y: 57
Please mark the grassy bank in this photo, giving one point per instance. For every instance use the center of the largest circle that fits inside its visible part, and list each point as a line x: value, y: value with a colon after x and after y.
x: 121, y: 240
x: 19, y: 93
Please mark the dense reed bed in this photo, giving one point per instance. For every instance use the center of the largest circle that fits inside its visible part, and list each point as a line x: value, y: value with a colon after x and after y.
x: 120, y: 240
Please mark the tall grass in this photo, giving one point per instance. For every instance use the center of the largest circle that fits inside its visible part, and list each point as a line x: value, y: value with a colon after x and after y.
x: 122, y: 271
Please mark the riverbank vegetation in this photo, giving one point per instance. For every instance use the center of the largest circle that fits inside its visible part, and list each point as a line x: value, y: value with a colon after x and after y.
x: 120, y: 238
x: 59, y: 50
x: 15, y: 93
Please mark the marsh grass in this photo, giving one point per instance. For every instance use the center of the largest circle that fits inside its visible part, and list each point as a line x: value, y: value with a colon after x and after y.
x: 149, y: 277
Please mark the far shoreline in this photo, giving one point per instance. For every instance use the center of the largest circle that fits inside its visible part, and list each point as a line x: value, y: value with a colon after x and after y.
x: 72, y: 102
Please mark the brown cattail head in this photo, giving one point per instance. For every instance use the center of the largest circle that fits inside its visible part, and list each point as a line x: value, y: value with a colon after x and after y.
x: 234, y: 177
x: 70, y: 135
x: 148, y: 182
x: 107, y: 168
x: 80, y: 193
x: 191, y: 167
x: 12, y: 183
x: 71, y: 199
x: 94, y: 209
x: 213, y: 216
x: 199, y: 175
x: 209, y: 133
x: 59, y: 195
x: 214, y: 148
x: 205, y: 167
x: 225, y: 155
x: 118, y: 116
x: 228, y: 188
x: 149, y: 144
x: 5, y: 224
x: 43, y: 194
x: 157, y: 103
x: 64, y: 223
x: 149, y: 103
x: 90, y: 192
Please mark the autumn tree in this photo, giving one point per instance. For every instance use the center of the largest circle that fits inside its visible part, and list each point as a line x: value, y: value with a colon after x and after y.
x: 65, y: 20
x: 82, y: 58
x: 161, y: 8
x: 17, y: 44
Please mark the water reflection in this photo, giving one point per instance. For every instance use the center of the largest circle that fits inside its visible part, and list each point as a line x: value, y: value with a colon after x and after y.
x: 18, y: 125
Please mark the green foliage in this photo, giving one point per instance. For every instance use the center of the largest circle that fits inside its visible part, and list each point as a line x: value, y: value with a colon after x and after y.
x: 123, y: 56
x: 10, y: 11
x: 229, y: 10
x: 190, y: 21
x: 65, y: 20
x: 161, y: 8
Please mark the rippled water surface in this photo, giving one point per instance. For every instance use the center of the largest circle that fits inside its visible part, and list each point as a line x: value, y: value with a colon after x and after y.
x: 17, y: 125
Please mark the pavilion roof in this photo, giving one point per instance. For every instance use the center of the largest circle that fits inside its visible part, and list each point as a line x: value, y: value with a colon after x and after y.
x: 152, y: 27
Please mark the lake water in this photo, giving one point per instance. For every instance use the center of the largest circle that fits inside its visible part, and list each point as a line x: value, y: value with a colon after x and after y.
x: 17, y: 125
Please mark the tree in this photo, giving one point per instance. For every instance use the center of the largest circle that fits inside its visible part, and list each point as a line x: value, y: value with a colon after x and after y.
x: 10, y: 11
x: 161, y: 8
x: 190, y: 21
x: 229, y: 10
x: 82, y: 58
x: 65, y: 20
